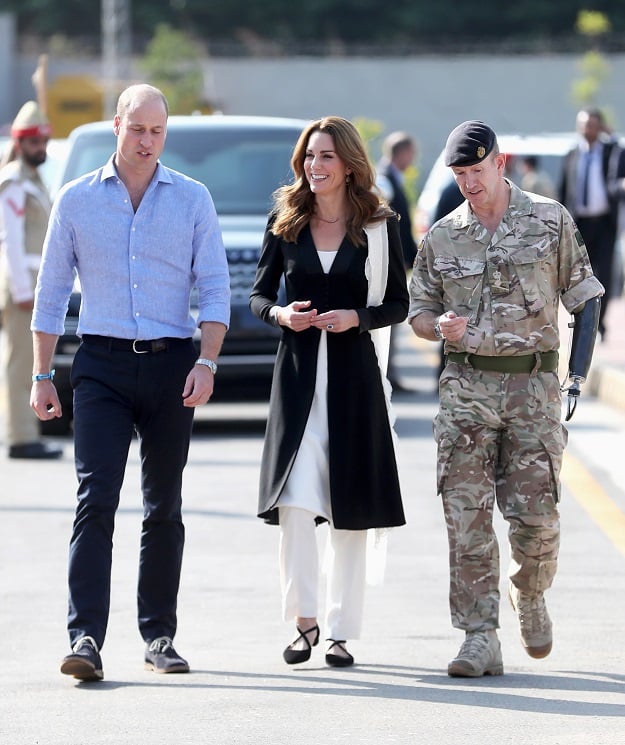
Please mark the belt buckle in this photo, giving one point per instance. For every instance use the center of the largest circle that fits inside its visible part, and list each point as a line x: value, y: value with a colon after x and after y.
x: 138, y: 351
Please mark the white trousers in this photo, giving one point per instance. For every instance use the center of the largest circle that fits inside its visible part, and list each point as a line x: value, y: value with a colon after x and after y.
x: 299, y: 573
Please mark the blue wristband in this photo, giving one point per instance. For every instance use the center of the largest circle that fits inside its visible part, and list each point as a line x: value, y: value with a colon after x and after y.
x: 44, y: 376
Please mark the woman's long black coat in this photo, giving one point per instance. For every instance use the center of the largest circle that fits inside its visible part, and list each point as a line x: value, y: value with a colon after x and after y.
x: 364, y: 485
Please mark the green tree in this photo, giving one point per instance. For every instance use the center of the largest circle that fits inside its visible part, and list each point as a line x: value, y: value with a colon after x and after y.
x: 594, y: 67
x: 369, y: 130
x: 172, y: 63
x: 404, y: 25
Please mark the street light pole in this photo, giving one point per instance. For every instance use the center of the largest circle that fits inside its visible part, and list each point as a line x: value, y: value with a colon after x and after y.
x: 116, y: 50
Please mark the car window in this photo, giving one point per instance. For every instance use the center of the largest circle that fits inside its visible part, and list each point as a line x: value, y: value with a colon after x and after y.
x: 89, y: 153
x: 240, y: 167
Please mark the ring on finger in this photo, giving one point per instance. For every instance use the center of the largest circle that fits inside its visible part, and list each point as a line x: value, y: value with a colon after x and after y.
x: 329, y: 327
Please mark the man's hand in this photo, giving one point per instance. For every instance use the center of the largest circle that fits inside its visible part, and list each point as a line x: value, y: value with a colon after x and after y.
x: 198, y: 387
x: 452, y: 326
x: 44, y: 400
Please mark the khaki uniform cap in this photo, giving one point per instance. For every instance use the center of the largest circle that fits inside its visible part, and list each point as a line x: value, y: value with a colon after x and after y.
x: 30, y: 122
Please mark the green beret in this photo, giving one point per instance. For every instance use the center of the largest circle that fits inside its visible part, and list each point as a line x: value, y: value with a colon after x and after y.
x: 469, y: 143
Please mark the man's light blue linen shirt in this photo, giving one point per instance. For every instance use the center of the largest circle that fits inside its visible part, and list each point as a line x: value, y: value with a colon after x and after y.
x: 136, y: 270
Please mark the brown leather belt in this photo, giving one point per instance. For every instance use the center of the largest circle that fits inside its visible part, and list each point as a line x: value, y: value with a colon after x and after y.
x: 520, y: 363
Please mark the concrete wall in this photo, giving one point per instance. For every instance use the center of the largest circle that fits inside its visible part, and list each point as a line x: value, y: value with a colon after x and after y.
x: 426, y: 96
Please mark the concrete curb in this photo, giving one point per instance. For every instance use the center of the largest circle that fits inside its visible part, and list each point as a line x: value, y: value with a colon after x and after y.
x: 607, y: 384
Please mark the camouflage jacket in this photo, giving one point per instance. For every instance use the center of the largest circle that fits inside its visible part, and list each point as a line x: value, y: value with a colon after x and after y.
x: 508, y: 284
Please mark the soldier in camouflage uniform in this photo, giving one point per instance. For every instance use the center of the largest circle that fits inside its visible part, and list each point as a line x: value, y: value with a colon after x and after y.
x: 488, y: 279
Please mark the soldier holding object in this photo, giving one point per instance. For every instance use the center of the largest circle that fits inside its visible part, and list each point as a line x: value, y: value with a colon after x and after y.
x: 488, y: 280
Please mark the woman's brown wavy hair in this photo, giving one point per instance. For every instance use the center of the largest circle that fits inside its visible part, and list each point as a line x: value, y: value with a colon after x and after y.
x: 294, y: 204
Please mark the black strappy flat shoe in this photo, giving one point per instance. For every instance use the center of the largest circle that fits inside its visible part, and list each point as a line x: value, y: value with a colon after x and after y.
x: 295, y: 656
x: 338, y: 660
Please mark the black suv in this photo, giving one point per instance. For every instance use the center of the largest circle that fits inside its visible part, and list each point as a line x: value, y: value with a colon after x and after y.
x: 242, y: 160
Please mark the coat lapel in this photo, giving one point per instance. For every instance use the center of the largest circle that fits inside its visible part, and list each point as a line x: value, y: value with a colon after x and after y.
x: 310, y: 259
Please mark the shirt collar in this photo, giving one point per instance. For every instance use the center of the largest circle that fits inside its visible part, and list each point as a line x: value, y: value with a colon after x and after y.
x: 396, y: 172
x: 109, y: 171
x: 520, y: 204
x: 585, y: 147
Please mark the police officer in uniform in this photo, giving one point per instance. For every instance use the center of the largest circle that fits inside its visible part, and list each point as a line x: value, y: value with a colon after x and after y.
x: 487, y: 280
x: 24, y: 211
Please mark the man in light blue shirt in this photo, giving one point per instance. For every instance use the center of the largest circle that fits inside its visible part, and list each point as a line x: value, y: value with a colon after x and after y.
x: 140, y: 237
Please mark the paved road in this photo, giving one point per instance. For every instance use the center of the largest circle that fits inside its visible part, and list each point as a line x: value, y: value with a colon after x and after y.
x: 240, y: 691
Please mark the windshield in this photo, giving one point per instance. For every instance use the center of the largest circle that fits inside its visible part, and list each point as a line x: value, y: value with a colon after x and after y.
x: 241, y: 166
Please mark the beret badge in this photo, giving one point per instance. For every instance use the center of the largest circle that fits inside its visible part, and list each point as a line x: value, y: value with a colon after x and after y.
x: 481, y: 152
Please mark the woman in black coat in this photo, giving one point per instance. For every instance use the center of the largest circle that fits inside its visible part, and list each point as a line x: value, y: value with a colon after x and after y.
x: 329, y: 451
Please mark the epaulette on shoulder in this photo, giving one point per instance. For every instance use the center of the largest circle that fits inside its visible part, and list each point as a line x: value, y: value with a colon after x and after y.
x: 9, y: 172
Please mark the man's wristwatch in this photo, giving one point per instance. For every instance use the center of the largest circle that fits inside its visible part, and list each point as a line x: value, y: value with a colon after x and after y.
x: 207, y: 363
x: 437, y: 328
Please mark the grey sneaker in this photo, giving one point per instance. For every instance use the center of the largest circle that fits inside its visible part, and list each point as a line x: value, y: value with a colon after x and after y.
x: 161, y: 657
x: 534, y: 621
x: 84, y: 663
x: 480, y: 654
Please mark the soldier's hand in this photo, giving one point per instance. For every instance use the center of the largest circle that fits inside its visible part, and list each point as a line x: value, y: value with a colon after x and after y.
x: 452, y: 326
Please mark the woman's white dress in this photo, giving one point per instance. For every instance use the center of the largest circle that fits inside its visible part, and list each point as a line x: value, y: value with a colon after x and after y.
x: 308, y: 484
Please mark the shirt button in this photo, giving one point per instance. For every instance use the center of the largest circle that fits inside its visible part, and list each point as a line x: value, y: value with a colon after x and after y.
x: 135, y: 286
x: 137, y: 314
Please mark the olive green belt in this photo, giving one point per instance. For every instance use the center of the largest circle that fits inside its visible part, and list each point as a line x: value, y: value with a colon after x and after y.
x: 520, y: 363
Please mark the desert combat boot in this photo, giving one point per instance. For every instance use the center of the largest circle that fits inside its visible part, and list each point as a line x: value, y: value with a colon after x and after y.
x: 534, y: 622
x: 480, y: 654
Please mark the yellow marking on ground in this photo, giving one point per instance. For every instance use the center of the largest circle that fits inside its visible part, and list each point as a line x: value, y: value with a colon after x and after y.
x: 595, y: 500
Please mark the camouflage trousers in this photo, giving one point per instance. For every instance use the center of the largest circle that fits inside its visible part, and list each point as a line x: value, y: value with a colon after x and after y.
x: 500, y: 438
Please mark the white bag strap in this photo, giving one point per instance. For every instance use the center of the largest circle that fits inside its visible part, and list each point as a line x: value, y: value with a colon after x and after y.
x: 376, y: 266
x: 376, y: 272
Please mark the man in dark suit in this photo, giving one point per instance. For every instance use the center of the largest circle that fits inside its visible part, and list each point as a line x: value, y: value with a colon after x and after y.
x: 592, y: 185
x: 399, y: 150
